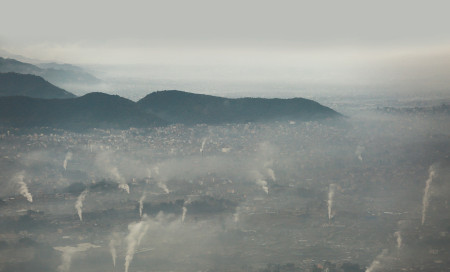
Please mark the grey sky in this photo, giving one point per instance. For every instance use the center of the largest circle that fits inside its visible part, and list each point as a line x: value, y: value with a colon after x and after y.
x: 294, y: 23
x: 329, y: 41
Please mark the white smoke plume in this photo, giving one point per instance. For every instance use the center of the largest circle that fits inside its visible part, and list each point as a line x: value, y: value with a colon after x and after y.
x: 427, y: 193
x: 359, y: 150
x: 236, y: 215
x: 163, y: 186
x: 23, y: 188
x: 376, y: 264
x: 124, y: 187
x: 156, y: 170
x: 67, y: 159
x: 149, y: 176
x: 203, y: 145
x: 259, y: 180
x: 68, y: 252
x: 137, y: 230
x: 398, y: 235
x: 113, y: 243
x: 331, y: 191
x: 263, y: 184
x: 269, y: 171
x: 183, y: 216
x: 141, y: 204
x: 106, y: 162
x: 79, y: 204
x: 116, y: 175
x: 271, y: 174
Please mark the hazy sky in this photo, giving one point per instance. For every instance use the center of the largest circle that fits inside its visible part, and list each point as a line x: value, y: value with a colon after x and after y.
x: 357, y: 42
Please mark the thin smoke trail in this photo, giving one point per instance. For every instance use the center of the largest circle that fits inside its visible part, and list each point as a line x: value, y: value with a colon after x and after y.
x: 79, y: 204
x: 183, y: 216
x: 271, y: 174
x: 359, y: 151
x: 163, y: 186
x: 331, y: 190
x: 398, y: 235
x: 377, y: 262
x: 67, y: 159
x: 23, y: 188
x: 259, y: 180
x: 236, y: 215
x: 155, y: 173
x: 113, y: 243
x: 137, y: 230
x: 427, y: 192
x: 263, y: 184
x: 203, y: 145
x: 112, y: 248
x: 141, y: 204
x: 68, y: 252
x: 114, y: 171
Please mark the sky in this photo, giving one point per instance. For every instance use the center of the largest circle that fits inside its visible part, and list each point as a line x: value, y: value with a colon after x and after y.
x: 396, y: 43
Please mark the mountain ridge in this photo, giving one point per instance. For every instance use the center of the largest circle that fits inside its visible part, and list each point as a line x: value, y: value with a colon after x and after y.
x: 58, y: 74
x: 15, y: 84
x: 189, y: 108
x: 100, y: 110
x: 93, y: 110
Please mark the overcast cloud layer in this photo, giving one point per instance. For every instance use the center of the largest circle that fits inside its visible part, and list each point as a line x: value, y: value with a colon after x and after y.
x: 301, y: 42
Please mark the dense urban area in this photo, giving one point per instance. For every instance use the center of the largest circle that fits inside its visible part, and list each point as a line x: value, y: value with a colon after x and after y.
x: 366, y: 193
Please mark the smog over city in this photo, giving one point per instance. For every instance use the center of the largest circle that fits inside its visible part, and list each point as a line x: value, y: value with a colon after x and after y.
x: 224, y: 136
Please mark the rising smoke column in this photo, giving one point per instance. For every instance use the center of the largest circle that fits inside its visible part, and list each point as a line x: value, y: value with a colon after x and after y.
x: 236, y: 215
x: 23, y: 188
x: 67, y: 159
x: 163, y: 186
x: 79, y: 204
x: 427, y: 193
x: 271, y: 174
x: 263, y: 184
x: 160, y: 184
x: 141, y: 204
x: 68, y: 252
x: 122, y: 184
x: 203, y: 145
x: 359, y: 150
x: 113, y: 243
x: 137, y: 230
x: 125, y: 187
x: 183, y: 216
x: 104, y: 161
x: 269, y: 171
x: 259, y: 180
x: 377, y: 262
x: 331, y: 190
x: 398, y: 235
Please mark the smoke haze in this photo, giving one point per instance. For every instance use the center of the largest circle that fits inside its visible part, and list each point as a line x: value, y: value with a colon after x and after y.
x: 275, y: 195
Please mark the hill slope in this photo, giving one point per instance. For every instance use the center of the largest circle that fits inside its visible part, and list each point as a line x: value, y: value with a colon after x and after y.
x: 189, y: 108
x: 99, y: 110
x: 94, y: 110
x: 59, y: 74
x: 13, y: 84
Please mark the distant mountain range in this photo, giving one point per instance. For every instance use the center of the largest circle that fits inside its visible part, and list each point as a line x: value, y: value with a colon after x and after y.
x: 28, y: 100
x: 99, y: 110
x: 12, y: 84
x: 58, y: 74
